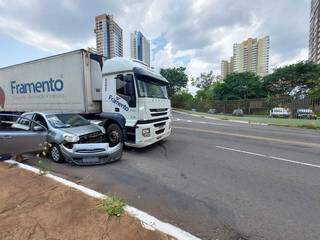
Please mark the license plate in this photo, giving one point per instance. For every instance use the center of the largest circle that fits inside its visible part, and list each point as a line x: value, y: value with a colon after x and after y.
x: 90, y: 160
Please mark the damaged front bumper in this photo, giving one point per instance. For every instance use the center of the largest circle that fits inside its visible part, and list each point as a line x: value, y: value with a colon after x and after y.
x: 92, y: 153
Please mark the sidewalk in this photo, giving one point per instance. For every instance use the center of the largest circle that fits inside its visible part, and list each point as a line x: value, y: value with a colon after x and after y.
x: 36, y: 207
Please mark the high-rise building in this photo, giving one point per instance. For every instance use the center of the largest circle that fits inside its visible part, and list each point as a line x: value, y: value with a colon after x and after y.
x: 252, y: 55
x: 109, y: 38
x: 314, y: 35
x: 227, y: 67
x: 140, y: 47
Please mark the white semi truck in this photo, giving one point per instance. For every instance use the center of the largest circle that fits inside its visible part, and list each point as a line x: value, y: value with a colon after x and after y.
x: 81, y: 82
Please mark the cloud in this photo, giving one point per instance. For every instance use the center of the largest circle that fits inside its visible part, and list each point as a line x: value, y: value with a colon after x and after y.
x: 280, y: 61
x: 196, y: 34
x: 41, y: 40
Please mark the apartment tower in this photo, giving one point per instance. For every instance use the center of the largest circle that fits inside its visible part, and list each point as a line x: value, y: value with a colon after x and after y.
x: 314, y: 35
x: 109, y: 37
x: 227, y: 67
x: 252, y: 55
x: 140, y: 47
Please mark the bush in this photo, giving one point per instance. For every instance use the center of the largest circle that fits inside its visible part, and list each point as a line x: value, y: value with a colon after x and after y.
x: 182, y: 100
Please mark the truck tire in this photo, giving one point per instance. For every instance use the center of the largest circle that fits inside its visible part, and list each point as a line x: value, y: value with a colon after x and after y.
x: 55, y: 154
x: 114, y: 134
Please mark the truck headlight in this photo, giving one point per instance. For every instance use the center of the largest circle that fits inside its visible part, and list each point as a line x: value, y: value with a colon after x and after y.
x: 146, y: 132
x: 70, y: 138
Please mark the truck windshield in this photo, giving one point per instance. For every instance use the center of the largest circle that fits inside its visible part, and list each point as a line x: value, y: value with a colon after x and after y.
x: 151, y: 88
x: 67, y: 120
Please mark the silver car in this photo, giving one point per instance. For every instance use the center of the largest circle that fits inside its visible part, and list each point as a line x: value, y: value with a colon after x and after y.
x: 20, y: 140
x: 72, y: 138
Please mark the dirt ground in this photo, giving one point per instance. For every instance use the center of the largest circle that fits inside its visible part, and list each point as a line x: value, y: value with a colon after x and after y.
x: 36, y: 207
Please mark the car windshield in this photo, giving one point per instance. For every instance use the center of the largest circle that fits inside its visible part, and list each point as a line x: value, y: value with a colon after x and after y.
x: 67, y: 120
x: 279, y: 110
x: 151, y: 88
x: 304, y: 111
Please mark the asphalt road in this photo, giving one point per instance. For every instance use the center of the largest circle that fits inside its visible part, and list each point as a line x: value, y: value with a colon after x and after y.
x: 220, y: 180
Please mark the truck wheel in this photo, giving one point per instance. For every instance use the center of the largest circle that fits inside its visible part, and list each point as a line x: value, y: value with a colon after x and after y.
x: 55, y: 154
x: 114, y: 134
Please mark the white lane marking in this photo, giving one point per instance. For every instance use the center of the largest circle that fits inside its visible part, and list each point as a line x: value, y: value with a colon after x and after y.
x: 148, y: 221
x: 201, y: 122
x: 267, y: 156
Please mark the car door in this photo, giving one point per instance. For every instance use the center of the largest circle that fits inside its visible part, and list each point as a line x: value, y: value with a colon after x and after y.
x: 23, y: 136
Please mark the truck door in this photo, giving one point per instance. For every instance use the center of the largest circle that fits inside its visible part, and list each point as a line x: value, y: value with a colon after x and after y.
x: 125, y: 89
x: 125, y: 101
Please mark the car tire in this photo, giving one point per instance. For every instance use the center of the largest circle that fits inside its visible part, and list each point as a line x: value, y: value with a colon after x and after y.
x: 114, y: 134
x: 55, y: 154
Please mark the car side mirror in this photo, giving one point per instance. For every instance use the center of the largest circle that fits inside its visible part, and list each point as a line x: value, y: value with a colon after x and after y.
x: 38, y: 128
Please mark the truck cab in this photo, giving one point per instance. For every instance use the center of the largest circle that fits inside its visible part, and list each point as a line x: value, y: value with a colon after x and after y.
x: 136, y: 91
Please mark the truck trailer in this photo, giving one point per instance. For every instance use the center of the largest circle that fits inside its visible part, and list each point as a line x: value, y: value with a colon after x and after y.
x: 81, y: 82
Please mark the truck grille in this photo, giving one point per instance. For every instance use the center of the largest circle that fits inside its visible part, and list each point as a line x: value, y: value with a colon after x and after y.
x: 159, y: 125
x: 160, y: 131
x: 96, y: 137
x: 156, y: 112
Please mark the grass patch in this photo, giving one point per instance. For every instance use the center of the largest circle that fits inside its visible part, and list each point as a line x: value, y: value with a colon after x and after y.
x: 13, y: 165
x: 301, y: 123
x: 310, y: 126
x: 43, y: 167
x: 113, y: 206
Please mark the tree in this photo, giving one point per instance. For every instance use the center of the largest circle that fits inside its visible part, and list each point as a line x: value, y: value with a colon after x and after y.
x: 176, y: 77
x: 182, y: 99
x: 295, y: 79
x: 204, y: 81
x: 239, y: 86
x: 203, y: 100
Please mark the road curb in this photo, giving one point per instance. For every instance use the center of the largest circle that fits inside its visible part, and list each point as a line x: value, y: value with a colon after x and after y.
x: 229, y: 120
x: 149, y: 222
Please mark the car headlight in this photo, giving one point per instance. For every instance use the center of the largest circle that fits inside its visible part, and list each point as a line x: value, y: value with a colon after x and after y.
x: 102, y: 129
x: 71, y: 138
x: 146, y: 132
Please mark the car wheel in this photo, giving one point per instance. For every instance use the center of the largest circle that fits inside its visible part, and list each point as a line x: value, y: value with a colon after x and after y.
x: 55, y: 153
x: 114, y: 134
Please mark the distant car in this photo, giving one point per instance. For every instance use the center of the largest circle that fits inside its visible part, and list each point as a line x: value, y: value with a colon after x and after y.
x: 304, y: 114
x: 71, y: 137
x: 212, y: 111
x: 279, y: 112
x: 237, y: 112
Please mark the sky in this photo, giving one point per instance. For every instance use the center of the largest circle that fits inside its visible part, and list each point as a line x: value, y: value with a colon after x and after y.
x: 195, y: 34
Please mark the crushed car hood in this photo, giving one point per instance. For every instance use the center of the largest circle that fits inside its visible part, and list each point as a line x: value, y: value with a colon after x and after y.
x: 82, y: 130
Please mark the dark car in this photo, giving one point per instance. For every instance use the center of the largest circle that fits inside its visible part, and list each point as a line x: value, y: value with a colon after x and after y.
x: 304, y: 114
x: 237, y: 112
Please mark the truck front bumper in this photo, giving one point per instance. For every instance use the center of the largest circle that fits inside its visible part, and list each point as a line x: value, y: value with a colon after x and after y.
x: 92, y: 153
x: 156, y: 134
